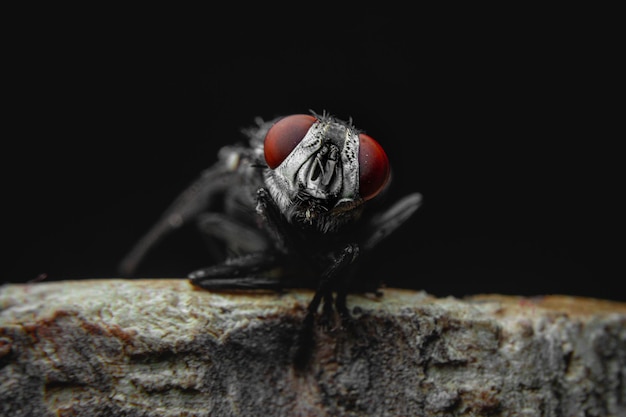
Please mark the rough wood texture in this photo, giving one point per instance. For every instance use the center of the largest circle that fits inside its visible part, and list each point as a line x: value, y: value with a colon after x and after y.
x: 162, y: 348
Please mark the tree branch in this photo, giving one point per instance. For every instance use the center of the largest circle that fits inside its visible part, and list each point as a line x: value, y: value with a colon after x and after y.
x: 164, y: 348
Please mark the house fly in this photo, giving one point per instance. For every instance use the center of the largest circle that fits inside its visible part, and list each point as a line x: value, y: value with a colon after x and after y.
x: 290, y: 209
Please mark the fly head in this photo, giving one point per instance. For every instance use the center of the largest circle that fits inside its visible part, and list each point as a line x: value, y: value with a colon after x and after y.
x: 322, y: 170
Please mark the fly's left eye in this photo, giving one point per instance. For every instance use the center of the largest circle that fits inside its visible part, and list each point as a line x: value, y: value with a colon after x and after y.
x: 373, y: 167
x: 284, y: 136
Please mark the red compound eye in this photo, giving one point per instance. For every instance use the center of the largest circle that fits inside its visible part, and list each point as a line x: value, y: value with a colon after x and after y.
x: 373, y: 167
x: 284, y: 136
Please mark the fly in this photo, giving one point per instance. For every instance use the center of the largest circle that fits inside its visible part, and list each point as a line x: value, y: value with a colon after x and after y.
x: 288, y: 210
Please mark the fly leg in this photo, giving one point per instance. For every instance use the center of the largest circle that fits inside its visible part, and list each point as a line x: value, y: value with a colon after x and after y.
x: 243, y: 272
x: 274, y: 220
x: 237, y: 237
x: 387, y: 222
x: 335, y: 278
x: 324, y: 293
x: 342, y: 306
x: 195, y: 199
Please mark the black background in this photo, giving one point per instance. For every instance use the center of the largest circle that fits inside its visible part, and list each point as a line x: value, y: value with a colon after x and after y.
x: 499, y: 119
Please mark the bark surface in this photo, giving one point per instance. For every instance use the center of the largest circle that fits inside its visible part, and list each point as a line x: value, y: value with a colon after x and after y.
x: 164, y: 348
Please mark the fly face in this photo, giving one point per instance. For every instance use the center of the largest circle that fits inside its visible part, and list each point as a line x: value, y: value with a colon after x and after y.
x: 322, y: 170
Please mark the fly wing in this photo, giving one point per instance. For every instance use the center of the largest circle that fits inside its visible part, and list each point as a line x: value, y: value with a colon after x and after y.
x: 191, y: 202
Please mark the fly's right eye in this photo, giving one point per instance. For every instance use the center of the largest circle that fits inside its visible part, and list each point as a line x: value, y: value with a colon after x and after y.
x: 284, y: 136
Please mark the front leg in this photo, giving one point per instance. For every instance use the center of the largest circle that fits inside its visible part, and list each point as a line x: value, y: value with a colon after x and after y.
x: 306, y: 338
x: 336, y: 276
